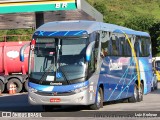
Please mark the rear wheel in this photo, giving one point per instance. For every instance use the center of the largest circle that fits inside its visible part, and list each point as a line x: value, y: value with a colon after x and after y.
x: 134, y: 98
x: 99, y: 100
x: 2, y: 86
x: 156, y: 86
x: 16, y: 82
x: 140, y: 95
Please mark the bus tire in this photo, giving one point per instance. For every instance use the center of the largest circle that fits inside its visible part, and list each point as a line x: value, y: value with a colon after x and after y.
x: 140, y: 96
x: 17, y: 83
x: 134, y: 98
x: 2, y: 86
x: 156, y: 86
x: 99, y: 100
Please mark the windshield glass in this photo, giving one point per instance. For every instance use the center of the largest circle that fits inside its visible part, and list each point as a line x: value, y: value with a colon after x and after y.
x: 57, y: 60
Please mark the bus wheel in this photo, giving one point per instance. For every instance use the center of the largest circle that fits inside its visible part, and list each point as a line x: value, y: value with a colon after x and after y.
x: 17, y: 83
x: 156, y: 86
x: 134, y: 98
x: 99, y: 100
x: 2, y: 86
x: 140, y: 96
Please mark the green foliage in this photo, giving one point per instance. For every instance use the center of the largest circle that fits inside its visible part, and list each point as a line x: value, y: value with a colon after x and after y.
x: 155, y: 35
x: 140, y: 22
x: 16, y: 35
x: 136, y: 14
x: 119, y: 11
x: 100, y: 7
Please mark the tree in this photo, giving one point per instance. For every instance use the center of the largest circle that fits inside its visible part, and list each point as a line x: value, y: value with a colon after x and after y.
x: 100, y: 7
x: 155, y: 37
x: 140, y: 22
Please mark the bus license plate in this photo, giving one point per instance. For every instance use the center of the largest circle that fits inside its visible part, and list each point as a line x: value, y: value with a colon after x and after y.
x: 55, y: 100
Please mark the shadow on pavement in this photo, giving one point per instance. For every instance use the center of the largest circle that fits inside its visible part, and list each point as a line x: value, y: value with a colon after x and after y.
x: 155, y: 91
x: 19, y: 103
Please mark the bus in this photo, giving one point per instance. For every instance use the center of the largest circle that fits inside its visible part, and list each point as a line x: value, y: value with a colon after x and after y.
x: 87, y: 63
x: 156, y: 66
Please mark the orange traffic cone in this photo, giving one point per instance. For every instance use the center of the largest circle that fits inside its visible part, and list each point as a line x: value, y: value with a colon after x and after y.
x: 10, y: 88
x: 14, y: 89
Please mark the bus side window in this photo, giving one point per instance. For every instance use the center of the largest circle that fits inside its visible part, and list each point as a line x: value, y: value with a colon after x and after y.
x: 137, y: 49
x: 110, y: 46
x: 145, y: 46
x: 129, y: 48
x: 104, y: 47
x: 92, y: 65
x: 122, y: 46
x: 114, y: 47
x: 118, y: 45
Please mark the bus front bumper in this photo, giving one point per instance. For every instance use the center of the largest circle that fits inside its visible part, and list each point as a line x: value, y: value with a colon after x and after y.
x: 81, y: 98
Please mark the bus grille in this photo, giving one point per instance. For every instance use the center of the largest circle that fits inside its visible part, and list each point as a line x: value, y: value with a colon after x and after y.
x: 55, y: 93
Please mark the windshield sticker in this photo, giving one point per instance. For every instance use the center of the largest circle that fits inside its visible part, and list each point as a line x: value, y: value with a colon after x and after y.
x: 58, y: 75
x: 50, y: 78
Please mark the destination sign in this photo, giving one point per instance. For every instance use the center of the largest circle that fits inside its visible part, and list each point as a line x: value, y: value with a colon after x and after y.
x: 14, y: 6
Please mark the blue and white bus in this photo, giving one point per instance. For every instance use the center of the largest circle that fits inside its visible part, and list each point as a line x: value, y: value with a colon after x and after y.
x: 87, y: 63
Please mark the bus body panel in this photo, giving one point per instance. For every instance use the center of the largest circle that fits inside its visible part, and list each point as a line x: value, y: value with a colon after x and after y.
x: 145, y: 66
x: 118, y: 75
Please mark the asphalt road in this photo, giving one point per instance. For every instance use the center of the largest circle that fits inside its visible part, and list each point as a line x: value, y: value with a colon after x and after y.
x: 19, y: 103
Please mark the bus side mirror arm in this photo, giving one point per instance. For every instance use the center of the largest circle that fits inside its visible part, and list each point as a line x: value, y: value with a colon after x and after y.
x: 89, y: 50
x: 22, y: 51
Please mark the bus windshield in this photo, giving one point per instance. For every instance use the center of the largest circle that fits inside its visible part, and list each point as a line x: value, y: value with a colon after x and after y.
x: 58, y: 60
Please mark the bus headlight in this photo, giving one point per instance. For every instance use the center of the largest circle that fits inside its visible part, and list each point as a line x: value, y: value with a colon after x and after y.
x: 32, y: 90
x: 80, y: 89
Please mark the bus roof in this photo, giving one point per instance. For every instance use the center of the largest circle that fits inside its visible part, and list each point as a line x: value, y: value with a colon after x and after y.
x: 132, y: 32
x: 89, y: 26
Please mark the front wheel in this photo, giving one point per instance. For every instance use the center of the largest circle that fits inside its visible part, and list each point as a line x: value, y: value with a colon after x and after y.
x: 99, y: 100
x: 134, y: 98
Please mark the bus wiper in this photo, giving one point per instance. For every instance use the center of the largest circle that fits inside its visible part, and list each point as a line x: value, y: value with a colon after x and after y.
x: 44, y: 74
x: 64, y: 75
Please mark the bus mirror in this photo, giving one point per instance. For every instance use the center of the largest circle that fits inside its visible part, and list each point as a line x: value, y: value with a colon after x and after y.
x: 22, y: 51
x: 89, y: 51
